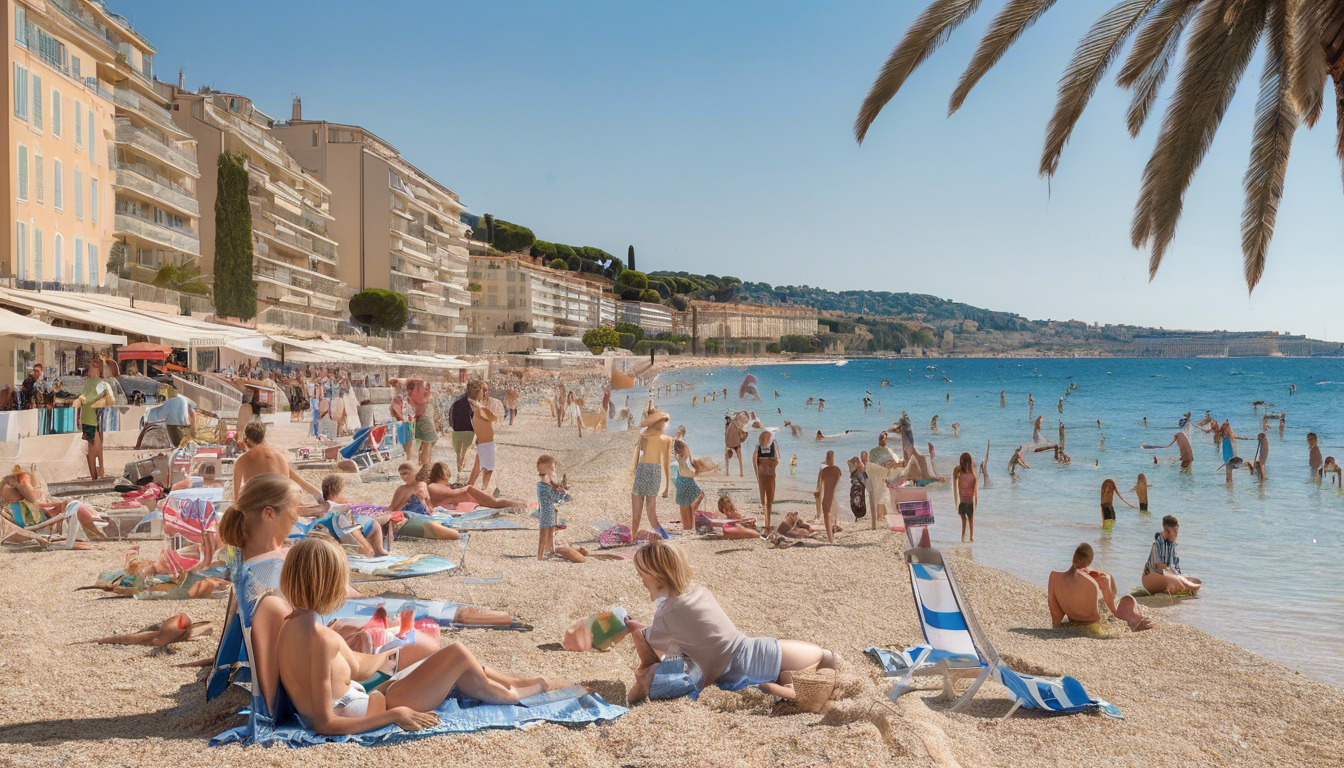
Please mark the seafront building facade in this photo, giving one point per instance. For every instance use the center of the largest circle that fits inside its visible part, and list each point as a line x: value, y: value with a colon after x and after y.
x: 523, y: 303
x: 295, y: 254
x: 399, y: 229
x: 742, y: 326
x: 57, y: 186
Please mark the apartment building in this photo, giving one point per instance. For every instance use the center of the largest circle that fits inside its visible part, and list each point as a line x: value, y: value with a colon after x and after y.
x: 295, y: 252
x: 652, y: 318
x: 744, y: 326
x: 547, y: 306
x: 57, y: 142
x: 400, y: 229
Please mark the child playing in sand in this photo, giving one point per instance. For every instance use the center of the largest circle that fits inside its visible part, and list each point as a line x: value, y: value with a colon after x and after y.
x: 1140, y: 489
x: 549, y: 493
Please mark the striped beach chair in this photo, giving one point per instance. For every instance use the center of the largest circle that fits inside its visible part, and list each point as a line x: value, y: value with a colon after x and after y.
x: 957, y: 647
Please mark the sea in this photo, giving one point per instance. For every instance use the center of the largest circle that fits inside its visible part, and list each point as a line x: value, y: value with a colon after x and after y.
x: 1269, y: 554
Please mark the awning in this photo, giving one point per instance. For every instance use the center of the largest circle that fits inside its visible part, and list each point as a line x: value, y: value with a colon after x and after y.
x: 103, y: 311
x: 143, y: 350
x: 253, y: 346
x: 14, y: 324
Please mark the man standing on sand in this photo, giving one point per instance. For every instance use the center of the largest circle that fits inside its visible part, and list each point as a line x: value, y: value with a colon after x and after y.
x: 483, y: 428
x: 426, y: 434
x: 828, y: 479
x: 262, y: 458
x: 96, y: 396
x: 1073, y: 594
x: 459, y: 420
x: 1162, y: 572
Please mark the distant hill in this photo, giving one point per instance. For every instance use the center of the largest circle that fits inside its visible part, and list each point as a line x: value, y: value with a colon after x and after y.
x: 931, y: 309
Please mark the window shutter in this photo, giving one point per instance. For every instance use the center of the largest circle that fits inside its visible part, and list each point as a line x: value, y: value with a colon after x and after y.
x: 55, y: 113
x: 78, y: 273
x: 91, y: 142
x: 79, y: 123
x: 57, y: 246
x: 23, y: 172
x: 21, y: 248
x: 39, y: 179
x: 37, y: 102
x: 93, y: 199
x: 37, y: 254
x: 79, y: 195
x: 93, y: 264
x: 57, y: 187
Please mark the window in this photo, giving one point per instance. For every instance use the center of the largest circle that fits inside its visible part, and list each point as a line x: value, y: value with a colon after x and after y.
x: 38, y: 177
x: 57, y: 187
x: 90, y: 114
x: 23, y: 172
x: 20, y: 92
x: 78, y: 273
x: 55, y: 113
x: 74, y: 68
x: 493, y: 300
x: 93, y: 264
x: 79, y: 195
x: 93, y: 199
x: 314, y: 137
x: 57, y: 246
x: 37, y: 102
x: 21, y: 25
x: 21, y: 249
x: 79, y: 124
x: 147, y: 66
x: 37, y: 254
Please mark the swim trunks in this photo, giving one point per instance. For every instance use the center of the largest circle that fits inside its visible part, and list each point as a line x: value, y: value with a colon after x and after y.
x: 966, y: 509
x: 648, y: 477
x: 1107, y: 516
x: 1143, y: 506
x: 462, y: 440
x: 687, y: 490
x: 424, y: 429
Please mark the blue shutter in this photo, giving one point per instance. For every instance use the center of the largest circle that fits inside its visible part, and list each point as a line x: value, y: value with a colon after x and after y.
x: 79, y: 261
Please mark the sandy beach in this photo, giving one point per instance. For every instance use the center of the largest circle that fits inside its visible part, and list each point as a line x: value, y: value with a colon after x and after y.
x: 1188, y: 698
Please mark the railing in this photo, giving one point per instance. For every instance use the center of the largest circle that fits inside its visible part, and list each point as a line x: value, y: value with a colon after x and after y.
x: 318, y: 247
x: 92, y: 84
x: 254, y: 191
x: 120, y: 287
x: 210, y: 394
x: 262, y: 249
x: 416, y: 271
x: 301, y: 321
x: 294, y: 276
x: 133, y: 177
x: 149, y: 109
x: 76, y: 11
x: 173, y: 238
x: 139, y: 138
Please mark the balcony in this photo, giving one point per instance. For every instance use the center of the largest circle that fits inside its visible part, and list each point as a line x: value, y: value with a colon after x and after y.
x: 298, y: 278
x: 143, y: 140
x: 413, y: 271
x: 179, y: 240
x: 146, y: 108
x: 262, y: 249
x: 308, y: 246
x: 409, y: 246
x: 143, y: 181
x: 256, y: 193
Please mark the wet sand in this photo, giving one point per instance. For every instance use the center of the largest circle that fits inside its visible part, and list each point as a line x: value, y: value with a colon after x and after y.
x: 1188, y: 698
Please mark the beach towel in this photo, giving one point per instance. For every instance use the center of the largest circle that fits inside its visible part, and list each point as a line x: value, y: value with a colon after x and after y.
x: 462, y: 714
x: 394, y: 567
x: 433, y: 610
x: 153, y: 587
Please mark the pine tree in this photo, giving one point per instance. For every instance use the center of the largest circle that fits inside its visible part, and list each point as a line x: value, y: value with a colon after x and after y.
x: 235, y: 290
x: 630, y: 259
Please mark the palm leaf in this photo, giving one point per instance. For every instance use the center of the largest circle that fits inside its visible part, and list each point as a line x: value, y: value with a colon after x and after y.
x: 928, y: 32
x: 1275, y: 123
x: 1095, y: 53
x: 1154, y: 47
x: 1308, y: 60
x: 1003, y: 31
x: 1216, y: 56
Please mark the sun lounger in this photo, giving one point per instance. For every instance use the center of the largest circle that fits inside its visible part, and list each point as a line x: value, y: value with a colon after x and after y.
x: 957, y: 648
x: 367, y: 447
x: 44, y: 534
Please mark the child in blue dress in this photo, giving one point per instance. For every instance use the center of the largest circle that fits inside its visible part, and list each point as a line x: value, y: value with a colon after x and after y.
x: 549, y: 493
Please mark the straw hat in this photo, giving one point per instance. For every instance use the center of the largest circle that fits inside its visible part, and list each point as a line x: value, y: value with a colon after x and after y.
x: 653, y: 418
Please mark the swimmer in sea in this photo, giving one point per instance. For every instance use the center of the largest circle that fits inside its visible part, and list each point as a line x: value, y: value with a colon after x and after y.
x: 1061, y: 405
x: 1331, y: 468
x: 1015, y: 462
x: 1182, y: 441
x: 1036, y: 430
x: 1109, y: 492
x: 933, y: 425
x: 1314, y: 456
x: 1031, y: 405
x: 1140, y: 490
x: 1002, y: 397
x: 984, y: 468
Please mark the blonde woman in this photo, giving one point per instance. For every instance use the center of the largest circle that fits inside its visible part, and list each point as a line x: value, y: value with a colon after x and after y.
x: 320, y: 672
x: 691, y: 620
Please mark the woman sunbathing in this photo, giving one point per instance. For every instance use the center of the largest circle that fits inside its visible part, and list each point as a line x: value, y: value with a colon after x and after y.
x: 321, y: 673
x: 258, y: 526
x: 690, y: 619
x: 741, y: 528
x: 442, y: 494
x: 26, y: 505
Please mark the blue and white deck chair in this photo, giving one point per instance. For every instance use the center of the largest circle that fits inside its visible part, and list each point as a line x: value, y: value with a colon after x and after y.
x: 958, y: 648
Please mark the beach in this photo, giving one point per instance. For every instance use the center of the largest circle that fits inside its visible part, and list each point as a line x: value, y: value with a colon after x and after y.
x: 1187, y: 697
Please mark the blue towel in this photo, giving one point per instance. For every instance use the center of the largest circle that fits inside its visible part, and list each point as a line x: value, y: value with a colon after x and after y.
x: 394, y: 567
x: 456, y: 715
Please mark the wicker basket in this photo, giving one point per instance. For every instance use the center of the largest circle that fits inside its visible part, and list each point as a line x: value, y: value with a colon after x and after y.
x: 812, y: 690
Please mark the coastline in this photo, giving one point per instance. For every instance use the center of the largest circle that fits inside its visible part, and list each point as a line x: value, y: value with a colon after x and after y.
x: 1187, y: 697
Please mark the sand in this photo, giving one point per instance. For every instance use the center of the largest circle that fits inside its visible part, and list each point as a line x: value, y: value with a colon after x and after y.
x: 1188, y: 698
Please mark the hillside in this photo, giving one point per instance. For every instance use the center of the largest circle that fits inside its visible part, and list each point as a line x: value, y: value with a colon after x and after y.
x: 932, y: 310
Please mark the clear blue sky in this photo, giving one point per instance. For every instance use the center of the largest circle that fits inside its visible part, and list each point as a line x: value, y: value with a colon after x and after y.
x: 716, y: 138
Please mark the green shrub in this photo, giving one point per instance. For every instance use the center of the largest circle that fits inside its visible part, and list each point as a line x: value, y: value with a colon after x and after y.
x: 632, y: 329
x: 558, y: 264
x: 235, y: 290
x: 564, y: 251
x: 600, y: 338
x: 772, y: 348
x: 381, y: 310
x: 511, y: 237
x: 630, y: 294
x: 522, y: 326
x: 650, y: 296
x: 679, y: 303
x: 633, y: 279
x: 543, y: 249
x: 627, y: 340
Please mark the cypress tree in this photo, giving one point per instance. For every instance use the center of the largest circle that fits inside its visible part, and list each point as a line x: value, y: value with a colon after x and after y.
x: 630, y: 259
x: 235, y: 290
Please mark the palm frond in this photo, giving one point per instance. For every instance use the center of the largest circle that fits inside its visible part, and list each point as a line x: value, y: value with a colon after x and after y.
x: 1275, y: 123
x: 1095, y: 53
x: 1003, y: 31
x: 1215, y: 59
x: 1308, y: 59
x: 1154, y: 47
x: 928, y: 32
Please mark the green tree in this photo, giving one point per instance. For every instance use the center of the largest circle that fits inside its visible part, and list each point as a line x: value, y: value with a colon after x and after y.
x: 679, y: 302
x: 601, y: 338
x: 184, y: 279
x: 633, y: 279
x: 543, y: 249
x: 650, y: 296
x: 1301, y: 53
x: 630, y: 258
x: 632, y: 329
x: 510, y: 237
x: 381, y: 310
x: 235, y: 290
x: 558, y: 264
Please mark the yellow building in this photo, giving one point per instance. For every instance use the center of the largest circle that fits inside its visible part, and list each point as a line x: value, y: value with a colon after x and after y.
x: 523, y: 304
x: 294, y: 250
x: 57, y: 143
x: 399, y: 229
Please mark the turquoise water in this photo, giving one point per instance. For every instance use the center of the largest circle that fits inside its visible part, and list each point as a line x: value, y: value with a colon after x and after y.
x: 1269, y: 554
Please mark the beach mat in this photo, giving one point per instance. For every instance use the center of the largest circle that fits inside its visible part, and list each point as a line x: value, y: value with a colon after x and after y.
x: 394, y: 567
x: 435, y: 610
x: 569, y: 706
x: 154, y: 587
